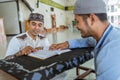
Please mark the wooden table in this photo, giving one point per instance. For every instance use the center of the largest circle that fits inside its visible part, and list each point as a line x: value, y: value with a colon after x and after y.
x: 6, y: 76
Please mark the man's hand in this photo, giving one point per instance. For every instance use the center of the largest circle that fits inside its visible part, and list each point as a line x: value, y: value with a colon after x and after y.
x: 27, y: 50
x: 59, y: 46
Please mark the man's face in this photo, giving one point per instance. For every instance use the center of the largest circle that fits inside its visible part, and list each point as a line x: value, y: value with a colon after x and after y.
x: 83, y: 26
x: 35, y: 27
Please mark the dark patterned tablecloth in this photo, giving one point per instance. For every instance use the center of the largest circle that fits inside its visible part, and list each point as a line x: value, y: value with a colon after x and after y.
x: 29, y: 68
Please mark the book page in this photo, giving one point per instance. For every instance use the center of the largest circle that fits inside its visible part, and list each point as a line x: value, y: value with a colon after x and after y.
x: 62, y: 51
x: 43, y: 54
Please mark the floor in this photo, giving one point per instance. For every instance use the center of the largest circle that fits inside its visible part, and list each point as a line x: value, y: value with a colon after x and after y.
x: 57, y: 38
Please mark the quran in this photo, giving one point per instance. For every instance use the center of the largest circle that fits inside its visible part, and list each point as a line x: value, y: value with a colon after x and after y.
x: 44, y: 54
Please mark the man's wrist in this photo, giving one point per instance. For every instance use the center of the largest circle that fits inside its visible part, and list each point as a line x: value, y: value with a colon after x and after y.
x: 18, y: 53
x: 67, y: 44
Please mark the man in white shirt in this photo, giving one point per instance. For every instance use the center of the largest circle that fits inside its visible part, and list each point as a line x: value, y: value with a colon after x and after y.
x: 30, y: 41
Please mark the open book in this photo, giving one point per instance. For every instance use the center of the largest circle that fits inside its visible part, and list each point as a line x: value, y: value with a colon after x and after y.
x: 43, y: 54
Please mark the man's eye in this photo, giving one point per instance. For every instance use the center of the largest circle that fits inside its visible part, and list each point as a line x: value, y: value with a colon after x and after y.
x: 40, y: 25
x: 33, y: 24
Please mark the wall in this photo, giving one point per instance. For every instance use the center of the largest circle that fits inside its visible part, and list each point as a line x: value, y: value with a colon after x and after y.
x: 69, y: 17
x: 10, y: 15
x: 113, y: 8
x: 61, y: 15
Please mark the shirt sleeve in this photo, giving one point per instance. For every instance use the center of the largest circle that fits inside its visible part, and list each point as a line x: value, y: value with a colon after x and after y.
x: 84, y: 42
x: 13, y: 47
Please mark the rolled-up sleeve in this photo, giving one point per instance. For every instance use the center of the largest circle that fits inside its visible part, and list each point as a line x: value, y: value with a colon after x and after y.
x: 84, y: 42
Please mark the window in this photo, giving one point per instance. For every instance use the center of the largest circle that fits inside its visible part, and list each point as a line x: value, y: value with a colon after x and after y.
x: 112, y: 19
x: 112, y: 8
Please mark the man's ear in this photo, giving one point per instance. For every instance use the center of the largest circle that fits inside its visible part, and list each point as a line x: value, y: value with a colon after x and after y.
x: 28, y: 25
x: 92, y: 19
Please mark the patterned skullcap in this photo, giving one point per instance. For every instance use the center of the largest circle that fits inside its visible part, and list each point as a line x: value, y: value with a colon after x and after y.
x: 36, y: 17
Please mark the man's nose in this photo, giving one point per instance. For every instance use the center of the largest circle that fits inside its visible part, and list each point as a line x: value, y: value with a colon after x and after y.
x: 37, y: 27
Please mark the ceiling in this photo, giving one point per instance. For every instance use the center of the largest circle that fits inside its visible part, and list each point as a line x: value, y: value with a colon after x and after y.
x: 65, y: 2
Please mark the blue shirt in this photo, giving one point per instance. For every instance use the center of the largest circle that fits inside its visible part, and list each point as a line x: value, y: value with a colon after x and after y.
x: 106, y: 53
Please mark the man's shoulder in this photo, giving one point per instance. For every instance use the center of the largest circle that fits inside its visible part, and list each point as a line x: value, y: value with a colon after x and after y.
x: 115, y: 33
x: 21, y: 36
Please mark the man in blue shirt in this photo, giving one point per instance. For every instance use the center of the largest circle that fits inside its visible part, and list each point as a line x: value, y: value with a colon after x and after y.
x: 97, y: 32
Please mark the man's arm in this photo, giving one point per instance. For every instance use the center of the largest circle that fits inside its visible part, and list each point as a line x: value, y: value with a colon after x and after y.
x: 76, y: 43
x: 84, y: 42
x: 25, y: 51
x: 15, y: 49
x: 59, y: 46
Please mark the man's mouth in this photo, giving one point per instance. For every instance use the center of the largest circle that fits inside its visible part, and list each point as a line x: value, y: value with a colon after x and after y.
x: 36, y: 31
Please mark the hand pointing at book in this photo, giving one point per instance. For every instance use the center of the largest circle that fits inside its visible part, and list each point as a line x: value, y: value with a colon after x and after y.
x: 25, y: 51
x: 59, y: 46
